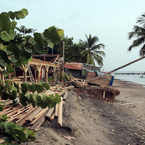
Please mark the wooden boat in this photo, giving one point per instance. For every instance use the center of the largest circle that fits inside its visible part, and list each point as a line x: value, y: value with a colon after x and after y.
x: 104, y: 81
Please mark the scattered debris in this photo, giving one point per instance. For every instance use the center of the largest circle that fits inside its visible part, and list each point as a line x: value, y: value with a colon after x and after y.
x: 85, y: 105
x: 33, y: 118
x: 69, y: 137
x: 77, y: 82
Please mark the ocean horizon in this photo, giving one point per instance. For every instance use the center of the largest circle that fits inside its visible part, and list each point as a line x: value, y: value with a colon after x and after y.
x: 131, y: 78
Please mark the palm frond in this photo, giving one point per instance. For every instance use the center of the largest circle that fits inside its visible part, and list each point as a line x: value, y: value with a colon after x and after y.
x: 98, y: 59
x: 91, y: 40
x: 99, y: 46
x: 141, y: 20
x: 84, y: 53
x: 142, y: 51
x: 137, y: 42
x: 102, y: 53
x: 137, y: 28
x: 136, y: 34
x: 130, y: 48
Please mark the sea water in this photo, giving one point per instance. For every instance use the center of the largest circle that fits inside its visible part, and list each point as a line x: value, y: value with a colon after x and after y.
x: 131, y: 78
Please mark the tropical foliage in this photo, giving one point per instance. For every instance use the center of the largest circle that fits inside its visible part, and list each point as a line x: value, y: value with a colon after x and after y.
x: 14, y: 52
x: 92, y: 51
x: 139, y: 33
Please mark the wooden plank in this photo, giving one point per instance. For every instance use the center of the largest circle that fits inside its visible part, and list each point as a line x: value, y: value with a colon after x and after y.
x: 104, y: 95
x: 59, y: 120
x: 40, y: 114
x: 50, y: 112
x: 17, y: 114
x: 52, y: 117
x: 5, y: 110
x: 39, y: 122
x: 34, y: 113
x: 14, y: 112
x: 21, y: 120
x: 56, y: 110
x: 14, y: 108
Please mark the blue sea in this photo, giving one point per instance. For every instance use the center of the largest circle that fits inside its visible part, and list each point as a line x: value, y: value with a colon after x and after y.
x: 131, y: 78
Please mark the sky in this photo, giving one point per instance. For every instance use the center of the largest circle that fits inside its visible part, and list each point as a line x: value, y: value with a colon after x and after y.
x: 109, y: 20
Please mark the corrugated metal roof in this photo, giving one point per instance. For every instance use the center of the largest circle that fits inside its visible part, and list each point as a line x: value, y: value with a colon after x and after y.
x: 75, y: 66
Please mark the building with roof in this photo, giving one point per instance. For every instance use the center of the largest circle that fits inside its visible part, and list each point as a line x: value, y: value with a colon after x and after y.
x: 79, y: 70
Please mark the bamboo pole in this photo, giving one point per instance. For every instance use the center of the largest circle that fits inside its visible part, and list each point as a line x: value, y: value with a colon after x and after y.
x: 56, y: 110
x: 59, y: 121
x: 116, y: 69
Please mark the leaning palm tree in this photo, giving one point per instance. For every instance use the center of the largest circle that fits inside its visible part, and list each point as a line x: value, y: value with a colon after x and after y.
x: 139, y: 33
x: 92, y: 51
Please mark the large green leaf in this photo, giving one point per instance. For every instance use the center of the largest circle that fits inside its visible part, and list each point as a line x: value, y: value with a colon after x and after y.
x: 14, y: 23
x: 4, y: 23
x: 38, y: 48
x: 24, y: 99
x: 52, y: 34
x: 21, y: 135
x: 32, y: 88
x: 10, y: 68
x: 39, y: 88
x: 25, y: 87
x: 13, y: 58
x: 14, y: 91
x: 32, y: 41
x: 8, y: 85
x: 24, y: 13
x: 46, y: 86
x: 12, y: 47
x: 11, y: 15
x: 38, y: 38
x: 60, y: 33
x: 2, y: 63
x: 4, y: 56
x: 49, y: 43
x: 57, y: 98
x: 7, y: 36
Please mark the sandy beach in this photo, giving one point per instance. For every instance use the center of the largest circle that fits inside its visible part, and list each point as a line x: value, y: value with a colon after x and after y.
x: 94, y: 122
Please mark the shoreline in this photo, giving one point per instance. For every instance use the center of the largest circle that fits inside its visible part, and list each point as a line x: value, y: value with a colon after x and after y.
x: 131, y: 82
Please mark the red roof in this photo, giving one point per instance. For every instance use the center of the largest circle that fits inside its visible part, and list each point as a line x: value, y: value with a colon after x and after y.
x: 75, y: 66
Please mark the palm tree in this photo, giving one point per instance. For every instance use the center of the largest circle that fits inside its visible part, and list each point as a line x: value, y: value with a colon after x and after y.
x: 92, y: 51
x: 139, y: 33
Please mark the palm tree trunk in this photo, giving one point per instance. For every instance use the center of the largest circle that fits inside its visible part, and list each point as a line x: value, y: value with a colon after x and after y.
x: 117, y: 69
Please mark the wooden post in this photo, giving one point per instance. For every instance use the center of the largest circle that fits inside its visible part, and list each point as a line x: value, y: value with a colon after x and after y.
x: 54, y: 68
x: 39, y: 72
x: 47, y: 69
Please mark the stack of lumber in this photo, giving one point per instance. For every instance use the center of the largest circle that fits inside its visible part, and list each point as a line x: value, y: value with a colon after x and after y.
x: 33, y: 118
x: 77, y: 82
